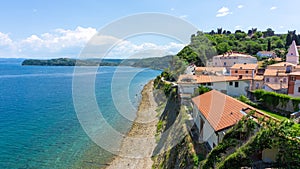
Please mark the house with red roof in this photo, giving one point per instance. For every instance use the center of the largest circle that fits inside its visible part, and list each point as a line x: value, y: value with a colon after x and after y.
x: 214, y: 113
x: 231, y: 85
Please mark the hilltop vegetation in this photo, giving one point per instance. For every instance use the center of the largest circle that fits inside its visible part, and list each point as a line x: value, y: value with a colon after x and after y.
x: 159, y: 63
x: 205, y: 45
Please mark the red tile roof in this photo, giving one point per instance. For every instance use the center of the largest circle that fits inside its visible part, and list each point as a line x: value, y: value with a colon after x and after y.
x: 245, y: 66
x: 281, y: 64
x: 295, y: 73
x: 220, y: 110
x: 209, y: 69
x: 277, y: 86
x: 257, y: 77
x: 274, y: 72
x: 208, y: 79
x: 234, y: 55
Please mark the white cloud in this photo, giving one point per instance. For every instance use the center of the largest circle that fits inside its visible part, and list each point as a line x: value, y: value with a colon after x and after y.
x: 172, y: 9
x: 59, y: 39
x: 223, y: 12
x: 127, y: 49
x: 5, y: 39
x: 69, y: 43
x: 241, y: 6
x: 273, y: 8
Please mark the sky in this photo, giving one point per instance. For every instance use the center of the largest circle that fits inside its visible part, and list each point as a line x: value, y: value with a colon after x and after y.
x: 56, y: 28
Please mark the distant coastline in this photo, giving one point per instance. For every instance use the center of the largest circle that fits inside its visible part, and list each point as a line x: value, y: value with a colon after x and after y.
x: 158, y: 63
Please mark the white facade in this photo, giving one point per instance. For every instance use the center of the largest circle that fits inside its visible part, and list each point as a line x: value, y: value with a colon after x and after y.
x: 293, y: 56
x: 231, y: 88
x: 206, y: 131
x: 228, y: 60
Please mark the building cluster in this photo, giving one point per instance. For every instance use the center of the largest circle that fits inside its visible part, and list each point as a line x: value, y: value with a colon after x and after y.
x: 232, y: 75
x: 235, y: 74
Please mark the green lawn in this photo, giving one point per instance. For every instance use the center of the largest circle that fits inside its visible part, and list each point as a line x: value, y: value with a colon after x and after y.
x: 279, y: 117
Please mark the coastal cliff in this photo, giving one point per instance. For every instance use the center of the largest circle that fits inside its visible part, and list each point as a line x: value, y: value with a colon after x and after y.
x: 175, y: 148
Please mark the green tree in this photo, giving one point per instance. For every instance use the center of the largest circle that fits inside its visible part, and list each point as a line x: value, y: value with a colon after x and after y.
x: 223, y: 48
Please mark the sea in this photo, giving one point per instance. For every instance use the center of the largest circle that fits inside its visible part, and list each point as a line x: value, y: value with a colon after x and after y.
x: 39, y: 127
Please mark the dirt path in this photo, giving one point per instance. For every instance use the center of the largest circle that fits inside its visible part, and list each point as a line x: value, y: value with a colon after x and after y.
x: 138, y: 145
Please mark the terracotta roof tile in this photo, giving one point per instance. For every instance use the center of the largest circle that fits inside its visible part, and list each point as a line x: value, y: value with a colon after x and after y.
x: 274, y: 72
x: 210, y: 69
x: 277, y: 86
x: 257, y: 77
x: 220, y: 110
x: 208, y: 79
x: 245, y: 66
x: 281, y: 64
x: 294, y: 73
x: 235, y: 55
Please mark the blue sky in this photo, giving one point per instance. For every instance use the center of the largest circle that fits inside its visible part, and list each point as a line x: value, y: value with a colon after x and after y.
x: 35, y: 28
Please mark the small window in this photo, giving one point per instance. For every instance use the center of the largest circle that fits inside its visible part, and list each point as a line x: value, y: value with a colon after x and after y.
x: 233, y: 62
x: 236, y: 71
x: 267, y: 79
x: 298, y: 89
x: 236, y: 84
x: 284, y: 80
x: 230, y: 83
x: 208, y: 84
x: 247, y: 71
x: 224, y: 63
x: 292, y: 54
x: 215, y: 63
x: 293, y: 78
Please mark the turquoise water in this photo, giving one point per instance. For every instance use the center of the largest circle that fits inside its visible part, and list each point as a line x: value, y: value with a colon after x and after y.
x: 38, y: 124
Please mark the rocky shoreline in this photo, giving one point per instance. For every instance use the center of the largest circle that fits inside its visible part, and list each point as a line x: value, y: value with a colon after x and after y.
x: 137, y: 147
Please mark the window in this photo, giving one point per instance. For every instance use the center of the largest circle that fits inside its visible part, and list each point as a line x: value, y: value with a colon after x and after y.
x: 208, y: 84
x: 267, y: 79
x: 236, y: 71
x: 215, y: 63
x: 284, y: 80
x: 224, y: 63
x: 293, y: 78
x: 247, y: 72
x: 298, y: 89
x: 230, y: 83
x: 257, y: 85
x: 236, y: 84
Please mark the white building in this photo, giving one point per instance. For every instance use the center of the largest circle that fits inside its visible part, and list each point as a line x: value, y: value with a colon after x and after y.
x: 214, y: 113
x: 233, y: 86
x: 293, y: 56
x: 275, y: 81
x: 229, y: 59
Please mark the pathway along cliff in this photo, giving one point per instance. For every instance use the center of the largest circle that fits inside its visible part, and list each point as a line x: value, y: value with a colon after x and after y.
x: 137, y: 147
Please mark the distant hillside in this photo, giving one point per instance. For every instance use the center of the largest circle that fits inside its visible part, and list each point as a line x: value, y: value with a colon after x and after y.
x: 153, y: 63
